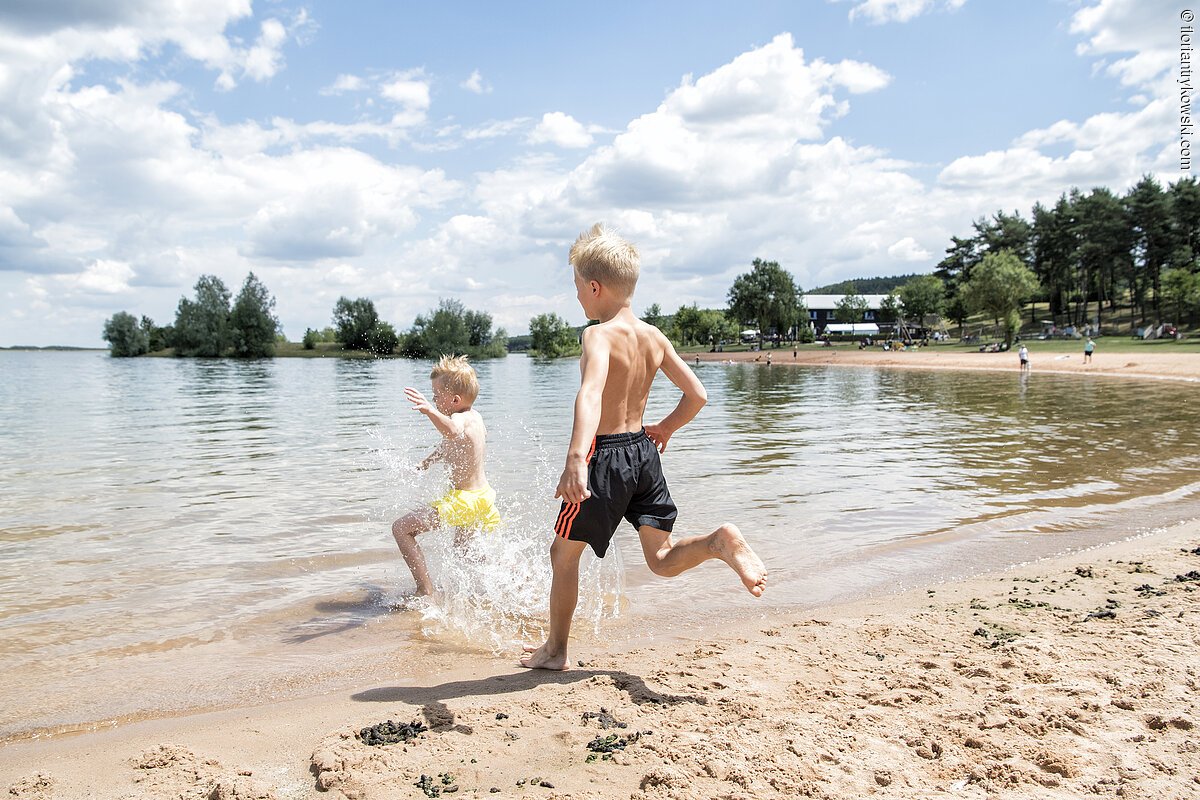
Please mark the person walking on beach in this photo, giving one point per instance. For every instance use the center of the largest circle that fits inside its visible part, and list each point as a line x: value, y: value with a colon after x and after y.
x: 613, y: 471
x: 1023, y: 354
x: 470, y: 504
x: 1087, y: 351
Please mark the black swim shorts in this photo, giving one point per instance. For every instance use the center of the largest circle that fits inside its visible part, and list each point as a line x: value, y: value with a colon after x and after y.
x: 626, y: 482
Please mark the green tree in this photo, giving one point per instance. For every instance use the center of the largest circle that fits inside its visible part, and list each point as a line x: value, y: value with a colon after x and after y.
x: 252, y: 325
x: 767, y: 296
x: 159, y: 337
x: 443, y: 332
x: 125, y: 336
x: 851, y: 308
x: 687, y: 325
x: 1149, y: 212
x: 891, y: 308
x: 552, y: 337
x: 479, y: 328
x: 382, y: 339
x: 310, y: 339
x: 452, y: 328
x: 998, y: 286
x: 923, y: 297
x: 1181, y: 291
x: 653, y: 316
x: 202, y: 325
x: 354, y: 320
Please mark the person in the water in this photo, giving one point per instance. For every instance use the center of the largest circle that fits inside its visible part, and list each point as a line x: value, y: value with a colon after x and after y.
x: 470, y: 505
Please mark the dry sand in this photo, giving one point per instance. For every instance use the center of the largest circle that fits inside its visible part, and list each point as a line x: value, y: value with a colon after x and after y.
x: 1175, y: 364
x: 1074, y: 676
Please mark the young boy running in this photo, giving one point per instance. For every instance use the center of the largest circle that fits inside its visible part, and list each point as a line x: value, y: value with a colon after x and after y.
x: 470, y: 504
x: 613, y: 470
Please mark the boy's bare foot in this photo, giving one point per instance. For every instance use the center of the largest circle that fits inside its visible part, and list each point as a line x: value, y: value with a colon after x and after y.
x: 730, y: 546
x: 539, y: 658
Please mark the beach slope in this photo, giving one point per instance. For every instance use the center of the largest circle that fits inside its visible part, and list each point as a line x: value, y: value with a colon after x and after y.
x: 1067, y: 677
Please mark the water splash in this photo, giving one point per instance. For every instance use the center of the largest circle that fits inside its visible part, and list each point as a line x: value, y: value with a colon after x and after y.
x: 493, y: 588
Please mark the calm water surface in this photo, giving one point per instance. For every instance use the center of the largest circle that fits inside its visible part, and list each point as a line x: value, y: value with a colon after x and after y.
x: 183, y: 534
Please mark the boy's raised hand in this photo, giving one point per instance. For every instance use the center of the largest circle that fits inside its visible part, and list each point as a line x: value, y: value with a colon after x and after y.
x: 418, y: 400
x: 572, y: 484
x: 660, y: 435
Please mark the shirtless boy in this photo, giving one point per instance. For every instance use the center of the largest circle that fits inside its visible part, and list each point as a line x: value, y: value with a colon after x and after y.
x: 613, y: 470
x: 470, y: 504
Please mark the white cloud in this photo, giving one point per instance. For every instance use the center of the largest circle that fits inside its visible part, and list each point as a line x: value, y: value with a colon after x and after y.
x: 344, y: 83
x: 907, y: 249
x: 878, y: 12
x: 409, y: 89
x: 562, y: 130
x: 476, y: 84
x: 108, y: 277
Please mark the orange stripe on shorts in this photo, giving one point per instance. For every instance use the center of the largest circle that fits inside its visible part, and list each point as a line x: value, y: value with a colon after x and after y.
x: 566, y: 517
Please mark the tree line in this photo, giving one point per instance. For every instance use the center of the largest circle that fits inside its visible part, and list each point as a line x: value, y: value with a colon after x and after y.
x: 213, y: 324
x: 1140, y: 251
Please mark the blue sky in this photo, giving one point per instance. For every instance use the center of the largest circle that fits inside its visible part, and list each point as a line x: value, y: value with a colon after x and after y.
x: 409, y: 152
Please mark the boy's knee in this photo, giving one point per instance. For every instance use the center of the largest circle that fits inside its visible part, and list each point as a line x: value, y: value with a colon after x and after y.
x: 401, y: 527
x: 659, y: 568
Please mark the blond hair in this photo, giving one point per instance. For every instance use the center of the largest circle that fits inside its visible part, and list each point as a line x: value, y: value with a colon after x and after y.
x: 458, y: 375
x: 600, y: 255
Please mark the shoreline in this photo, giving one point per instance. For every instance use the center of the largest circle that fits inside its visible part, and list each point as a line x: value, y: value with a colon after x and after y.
x: 1175, y: 366
x: 1064, y: 675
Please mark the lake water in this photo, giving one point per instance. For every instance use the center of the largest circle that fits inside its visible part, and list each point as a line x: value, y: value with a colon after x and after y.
x: 186, y: 534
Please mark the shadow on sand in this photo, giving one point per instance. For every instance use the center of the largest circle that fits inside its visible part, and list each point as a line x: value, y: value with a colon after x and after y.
x: 432, y: 699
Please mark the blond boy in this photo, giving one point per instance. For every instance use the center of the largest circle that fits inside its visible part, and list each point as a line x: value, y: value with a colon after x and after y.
x: 613, y: 470
x: 470, y: 504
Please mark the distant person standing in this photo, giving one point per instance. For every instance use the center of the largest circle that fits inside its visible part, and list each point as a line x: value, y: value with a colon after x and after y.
x: 1023, y: 354
x: 1087, y: 351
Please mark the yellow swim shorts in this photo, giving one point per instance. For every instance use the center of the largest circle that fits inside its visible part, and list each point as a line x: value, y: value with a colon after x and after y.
x: 469, y: 508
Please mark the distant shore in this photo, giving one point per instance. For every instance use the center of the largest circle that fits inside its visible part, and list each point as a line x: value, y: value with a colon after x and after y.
x: 1169, y: 362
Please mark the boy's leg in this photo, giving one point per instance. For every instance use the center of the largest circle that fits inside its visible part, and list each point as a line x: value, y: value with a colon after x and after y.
x: 564, y: 594
x: 669, y: 558
x: 405, y: 531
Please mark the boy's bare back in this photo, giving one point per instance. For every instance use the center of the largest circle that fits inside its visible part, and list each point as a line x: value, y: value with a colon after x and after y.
x: 634, y: 351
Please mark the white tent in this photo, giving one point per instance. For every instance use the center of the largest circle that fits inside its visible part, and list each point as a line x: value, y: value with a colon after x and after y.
x: 864, y: 328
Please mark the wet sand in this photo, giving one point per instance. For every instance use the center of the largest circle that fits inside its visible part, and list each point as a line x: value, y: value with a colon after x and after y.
x: 1067, y: 677
x: 1173, y: 365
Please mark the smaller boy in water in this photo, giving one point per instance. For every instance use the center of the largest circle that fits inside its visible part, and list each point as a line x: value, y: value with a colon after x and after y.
x: 613, y: 470
x: 470, y: 505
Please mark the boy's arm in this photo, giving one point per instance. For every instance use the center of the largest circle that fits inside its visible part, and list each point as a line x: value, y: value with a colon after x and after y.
x: 593, y: 366
x: 448, y: 426
x: 436, y: 455
x: 694, y: 397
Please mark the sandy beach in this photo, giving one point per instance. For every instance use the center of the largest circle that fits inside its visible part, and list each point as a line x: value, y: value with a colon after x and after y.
x: 1171, y: 365
x: 1067, y: 677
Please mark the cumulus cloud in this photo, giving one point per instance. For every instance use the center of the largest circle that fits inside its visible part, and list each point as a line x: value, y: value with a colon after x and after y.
x: 562, y: 130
